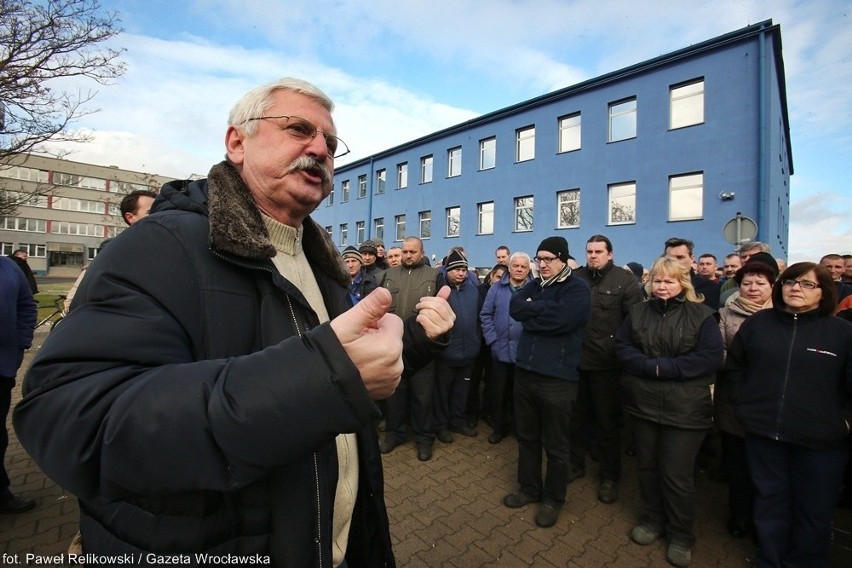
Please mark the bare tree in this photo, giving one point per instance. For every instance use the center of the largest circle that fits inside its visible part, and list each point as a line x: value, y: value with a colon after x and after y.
x: 40, y: 43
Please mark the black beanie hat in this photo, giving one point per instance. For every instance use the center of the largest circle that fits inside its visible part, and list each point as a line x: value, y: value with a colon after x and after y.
x: 766, y: 259
x: 557, y: 245
x: 456, y: 260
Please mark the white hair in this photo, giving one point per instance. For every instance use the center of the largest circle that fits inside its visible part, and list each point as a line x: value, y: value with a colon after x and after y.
x: 255, y: 103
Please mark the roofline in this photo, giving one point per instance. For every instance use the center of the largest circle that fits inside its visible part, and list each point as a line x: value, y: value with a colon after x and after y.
x: 596, y: 82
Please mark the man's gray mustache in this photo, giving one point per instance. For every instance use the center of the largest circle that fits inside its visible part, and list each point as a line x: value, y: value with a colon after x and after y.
x: 308, y: 163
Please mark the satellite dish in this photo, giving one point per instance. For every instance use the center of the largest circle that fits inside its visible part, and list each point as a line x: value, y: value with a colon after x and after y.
x: 739, y: 230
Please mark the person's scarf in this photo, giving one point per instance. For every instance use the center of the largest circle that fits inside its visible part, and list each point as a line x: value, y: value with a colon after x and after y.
x: 562, y: 276
x: 748, y: 307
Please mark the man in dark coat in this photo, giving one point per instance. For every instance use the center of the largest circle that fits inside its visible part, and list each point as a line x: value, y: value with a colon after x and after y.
x: 20, y: 257
x: 215, y: 397
x: 683, y: 251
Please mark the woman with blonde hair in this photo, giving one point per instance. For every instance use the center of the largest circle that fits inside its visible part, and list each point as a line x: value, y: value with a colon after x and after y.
x: 670, y: 349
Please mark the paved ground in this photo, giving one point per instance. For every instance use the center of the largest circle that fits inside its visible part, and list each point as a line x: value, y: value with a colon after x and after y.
x: 447, y: 512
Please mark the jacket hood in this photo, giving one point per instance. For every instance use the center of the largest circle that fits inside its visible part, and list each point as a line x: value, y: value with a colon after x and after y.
x: 236, y: 226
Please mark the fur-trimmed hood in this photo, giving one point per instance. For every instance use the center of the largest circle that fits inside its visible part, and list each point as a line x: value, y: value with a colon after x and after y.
x: 236, y: 227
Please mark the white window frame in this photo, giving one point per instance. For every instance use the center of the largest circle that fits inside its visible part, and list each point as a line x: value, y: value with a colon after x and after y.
x: 570, y: 132
x: 454, y: 161
x: 568, y: 199
x: 427, y: 164
x: 379, y: 228
x: 488, y: 153
x: 622, y: 113
x: 381, y: 181
x: 360, y: 232
x: 525, y: 144
x: 402, y: 175
x: 424, y: 219
x: 686, y: 196
x: 686, y: 104
x: 623, y: 192
x: 344, y: 234
x: 524, y: 214
x: 453, y: 224
x: 399, y: 224
x: 485, y: 218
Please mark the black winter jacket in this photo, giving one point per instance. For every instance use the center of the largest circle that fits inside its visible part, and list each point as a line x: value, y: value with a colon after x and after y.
x: 670, y: 352
x: 614, y: 291
x: 792, y: 377
x: 191, y: 399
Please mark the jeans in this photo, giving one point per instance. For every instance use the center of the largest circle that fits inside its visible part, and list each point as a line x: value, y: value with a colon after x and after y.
x: 665, y: 458
x: 413, y: 394
x: 542, y: 421
x: 796, y: 490
x: 598, y: 410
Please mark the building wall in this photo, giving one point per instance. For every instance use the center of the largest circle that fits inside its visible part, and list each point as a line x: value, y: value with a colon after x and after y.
x: 53, y: 251
x: 740, y: 148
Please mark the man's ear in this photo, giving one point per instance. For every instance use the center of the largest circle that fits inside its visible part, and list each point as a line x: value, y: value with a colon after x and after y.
x: 234, y: 145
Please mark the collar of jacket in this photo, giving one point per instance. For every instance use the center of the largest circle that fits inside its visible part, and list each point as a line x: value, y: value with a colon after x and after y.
x: 664, y: 305
x: 236, y: 226
x: 596, y: 274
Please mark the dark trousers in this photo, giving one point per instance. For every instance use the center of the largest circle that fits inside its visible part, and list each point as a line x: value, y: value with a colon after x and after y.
x: 598, y: 410
x: 452, y: 388
x: 796, y: 491
x: 499, y: 393
x: 414, y: 394
x: 542, y: 421
x: 477, y: 405
x: 740, y: 488
x: 665, y: 459
x: 6, y: 386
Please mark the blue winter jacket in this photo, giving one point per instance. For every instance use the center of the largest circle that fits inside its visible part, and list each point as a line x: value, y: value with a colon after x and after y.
x: 500, y: 330
x: 466, y: 338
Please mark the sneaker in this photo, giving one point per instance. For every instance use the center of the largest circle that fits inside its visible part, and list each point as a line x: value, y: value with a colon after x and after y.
x: 608, y: 492
x: 465, y: 431
x: 678, y: 555
x: 643, y: 535
x: 518, y: 500
x: 546, y: 516
x: 445, y: 436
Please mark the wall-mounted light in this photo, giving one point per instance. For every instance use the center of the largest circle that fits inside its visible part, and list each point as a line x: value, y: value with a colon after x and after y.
x: 727, y: 195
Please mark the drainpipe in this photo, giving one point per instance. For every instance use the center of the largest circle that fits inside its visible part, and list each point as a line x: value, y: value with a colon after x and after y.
x: 368, y: 222
x: 763, y: 141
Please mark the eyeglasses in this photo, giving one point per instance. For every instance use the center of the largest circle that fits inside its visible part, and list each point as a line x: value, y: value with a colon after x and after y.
x: 304, y: 131
x: 803, y: 284
x: 545, y: 259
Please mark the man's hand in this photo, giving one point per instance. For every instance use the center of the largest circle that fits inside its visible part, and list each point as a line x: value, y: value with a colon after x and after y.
x: 373, y: 340
x: 435, y: 314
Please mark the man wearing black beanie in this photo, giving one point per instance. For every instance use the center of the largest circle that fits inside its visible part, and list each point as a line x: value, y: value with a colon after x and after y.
x: 553, y: 310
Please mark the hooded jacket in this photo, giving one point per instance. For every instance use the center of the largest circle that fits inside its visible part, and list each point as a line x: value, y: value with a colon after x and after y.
x: 191, y: 399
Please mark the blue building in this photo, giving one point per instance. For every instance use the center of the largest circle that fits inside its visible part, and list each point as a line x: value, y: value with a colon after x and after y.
x: 675, y: 146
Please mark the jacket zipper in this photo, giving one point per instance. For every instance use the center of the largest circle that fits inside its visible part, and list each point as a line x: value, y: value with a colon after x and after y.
x: 318, y: 540
x: 786, y: 378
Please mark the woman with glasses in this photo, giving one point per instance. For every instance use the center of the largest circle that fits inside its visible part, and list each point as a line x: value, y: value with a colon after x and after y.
x: 670, y: 349
x: 754, y: 284
x: 791, y: 368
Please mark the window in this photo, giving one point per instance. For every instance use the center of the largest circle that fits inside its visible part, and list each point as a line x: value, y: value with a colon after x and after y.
x: 79, y: 181
x: 485, y: 215
x: 21, y: 224
x: 6, y: 249
x: 425, y: 224
x: 687, y: 104
x: 569, y: 133
x: 399, y: 222
x: 524, y: 213
x: 344, y: 234
x: 344, y: 191
x: 686, y: 197
x: 360, y: 232
x: 26, y: 174
x: 381, y: 179
x: 24, y: 199
x: 330, y: 200
x: 112, y: 232
x: 402, y: 175
x: 426, y: 169
x: 126, y: 186
x: 37, y: 251
x: 91, y: 253
x: 328, y: 230
x: 83, y: 205
x: 453, y: 221
x: 379, y: 228
x: 622, y: 204
x: 622, y: 120
x: 362, y: 186
x: 81, y: 229
x: 525, y: 144
x: 454, y: 156
x: 568, y: 209
x: 487, y: 153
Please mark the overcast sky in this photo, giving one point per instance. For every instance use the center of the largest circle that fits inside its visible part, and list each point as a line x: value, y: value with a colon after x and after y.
x: 399, y: 69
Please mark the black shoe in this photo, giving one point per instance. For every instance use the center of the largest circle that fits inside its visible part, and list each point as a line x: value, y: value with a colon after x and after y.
x: 546, y: 516
x: 495, y: 438
x: 387, y: 445
x: 575, y: 473
x: 17, y: 505
x: 518, y: 500
x: 465, y: 431
x: 424, y: 453
x: 445, y: 436
x: 738, y: 528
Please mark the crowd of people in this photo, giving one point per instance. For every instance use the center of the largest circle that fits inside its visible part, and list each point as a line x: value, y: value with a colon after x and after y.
x: 224, y: 373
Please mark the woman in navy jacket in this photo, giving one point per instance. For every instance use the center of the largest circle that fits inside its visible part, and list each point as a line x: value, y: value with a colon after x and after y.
x: 791, y: 368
